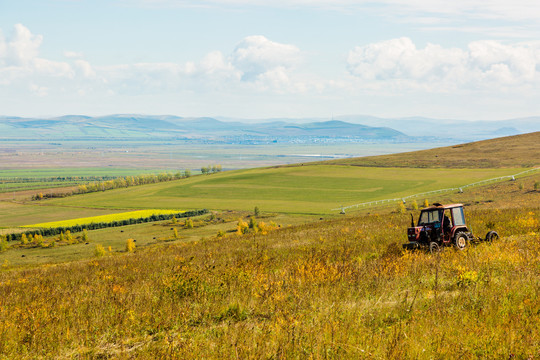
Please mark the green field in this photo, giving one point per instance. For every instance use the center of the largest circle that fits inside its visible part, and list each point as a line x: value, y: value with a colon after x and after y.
x: 307, y: 189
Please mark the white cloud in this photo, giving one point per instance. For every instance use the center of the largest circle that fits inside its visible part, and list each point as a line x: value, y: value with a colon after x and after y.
x: 256, y: 56
x: 256, y: 63
x: 85, y: 68
x: 484, y: 64
x: 23, y: 47
x: 19, y: 58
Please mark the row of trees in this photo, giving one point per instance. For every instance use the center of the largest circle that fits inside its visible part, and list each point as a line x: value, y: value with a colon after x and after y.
x: 102, y: 225
x: 128, y: 181
x: 211, y: 169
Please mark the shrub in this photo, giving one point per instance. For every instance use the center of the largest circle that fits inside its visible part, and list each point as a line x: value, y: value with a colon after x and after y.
x: 130, y: 245
x: 241, y: 227
x: 252, y: 223
x: 3, y: 245
x: 85, y: 235
x: 100, y: 251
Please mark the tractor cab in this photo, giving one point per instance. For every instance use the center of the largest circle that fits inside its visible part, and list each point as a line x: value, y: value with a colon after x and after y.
x: 439, y: 225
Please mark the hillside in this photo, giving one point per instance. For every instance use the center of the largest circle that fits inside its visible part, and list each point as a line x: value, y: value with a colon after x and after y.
x: 512, y: 151
x: 338, y: 288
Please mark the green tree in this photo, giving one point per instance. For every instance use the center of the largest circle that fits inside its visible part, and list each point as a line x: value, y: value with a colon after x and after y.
x: 256, y: 211
x: 187, y: 173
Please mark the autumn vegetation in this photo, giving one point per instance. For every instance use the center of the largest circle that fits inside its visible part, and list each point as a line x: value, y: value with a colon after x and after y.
x: 339, y: 287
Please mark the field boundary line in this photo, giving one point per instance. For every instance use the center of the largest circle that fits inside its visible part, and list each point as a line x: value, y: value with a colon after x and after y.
x: 432, y: 192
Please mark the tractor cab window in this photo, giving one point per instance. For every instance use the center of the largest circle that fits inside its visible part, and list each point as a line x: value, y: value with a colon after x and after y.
x: 429, y: 217
x: 459, y: 217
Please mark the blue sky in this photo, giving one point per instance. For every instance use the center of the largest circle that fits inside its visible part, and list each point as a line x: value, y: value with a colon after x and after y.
x: 472, y: 59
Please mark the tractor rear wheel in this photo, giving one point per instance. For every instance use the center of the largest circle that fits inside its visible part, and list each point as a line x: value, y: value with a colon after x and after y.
x: 461, y: 240
x: 492, y: 236
x: 434, y: 247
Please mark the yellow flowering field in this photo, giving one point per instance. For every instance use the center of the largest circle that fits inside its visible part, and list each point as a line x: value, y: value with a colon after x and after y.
x: 105, y: 218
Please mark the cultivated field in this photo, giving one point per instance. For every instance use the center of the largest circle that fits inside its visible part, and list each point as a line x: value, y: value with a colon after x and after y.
x: 313, y: 189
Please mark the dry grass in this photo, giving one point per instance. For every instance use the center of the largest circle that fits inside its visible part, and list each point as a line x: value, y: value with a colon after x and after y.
x: 511, y: 151
x: 331, y: 289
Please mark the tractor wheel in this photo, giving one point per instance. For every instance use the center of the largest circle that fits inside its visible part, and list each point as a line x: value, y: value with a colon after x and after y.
x: 461, y: 240
x: 492, y: 236
x: 434, y: 247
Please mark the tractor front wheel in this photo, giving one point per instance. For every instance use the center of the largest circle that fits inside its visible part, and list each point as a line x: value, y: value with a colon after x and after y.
x: 461, y: 240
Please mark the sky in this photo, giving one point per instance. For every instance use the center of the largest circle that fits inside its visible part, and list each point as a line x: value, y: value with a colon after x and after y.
x: 470, y: 60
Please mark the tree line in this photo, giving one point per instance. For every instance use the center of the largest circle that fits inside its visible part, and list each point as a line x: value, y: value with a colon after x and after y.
x: 102, y: 225
x: 127, y: 181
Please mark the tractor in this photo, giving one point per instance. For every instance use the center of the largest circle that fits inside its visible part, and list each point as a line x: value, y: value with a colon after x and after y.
x: 442, y: 225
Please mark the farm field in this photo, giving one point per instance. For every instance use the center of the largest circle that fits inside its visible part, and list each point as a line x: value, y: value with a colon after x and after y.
x: 315, y: 189
x: 12, y: 180
x: 157, y: 156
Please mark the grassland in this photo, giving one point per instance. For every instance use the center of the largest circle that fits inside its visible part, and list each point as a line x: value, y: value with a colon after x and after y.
x: 326, y: 287
x: 511, y: 151
x: 337, y: 288
x: 313, y: 189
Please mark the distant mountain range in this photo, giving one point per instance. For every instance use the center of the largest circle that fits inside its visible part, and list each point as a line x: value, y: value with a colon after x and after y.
x: 344, y: 128
x: 439, y: 128
x: 173, y: 127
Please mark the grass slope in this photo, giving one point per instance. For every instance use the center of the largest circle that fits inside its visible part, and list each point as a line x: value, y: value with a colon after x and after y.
x: 329, y: 289
x: 511, y: 151
x: 314, y: 189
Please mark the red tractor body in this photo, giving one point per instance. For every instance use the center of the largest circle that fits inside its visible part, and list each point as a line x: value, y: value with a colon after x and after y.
x: 441, y: 225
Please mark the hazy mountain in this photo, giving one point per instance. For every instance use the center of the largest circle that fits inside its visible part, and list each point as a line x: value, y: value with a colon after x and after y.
x: 358, y: 127
x: 448, y: 128
x: 131, y: 126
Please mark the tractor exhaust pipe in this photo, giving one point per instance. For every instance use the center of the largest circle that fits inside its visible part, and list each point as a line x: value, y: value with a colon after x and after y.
x: 412, y: 220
